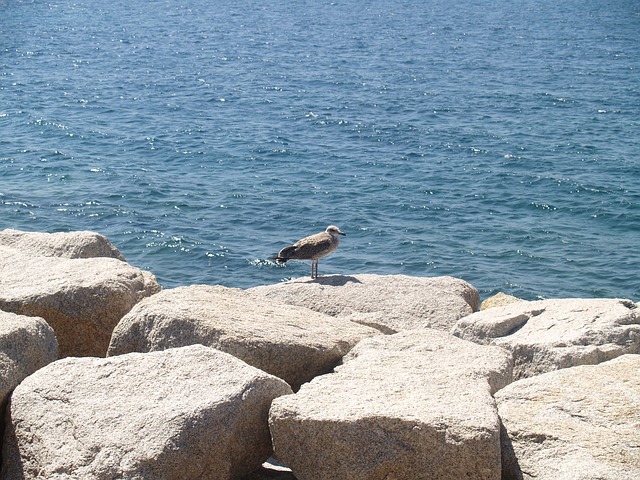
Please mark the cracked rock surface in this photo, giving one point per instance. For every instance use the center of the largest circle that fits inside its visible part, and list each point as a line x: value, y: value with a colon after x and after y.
x: 548, y: 335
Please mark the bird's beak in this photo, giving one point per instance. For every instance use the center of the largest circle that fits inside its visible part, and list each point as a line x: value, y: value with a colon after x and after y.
x: 342, y: 233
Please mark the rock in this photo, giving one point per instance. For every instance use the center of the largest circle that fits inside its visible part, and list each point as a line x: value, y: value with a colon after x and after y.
x: 82, y: 299
x: 548, y: 335
x: 271, y: 470
x: 26, y: 345
x: 499, y: 300
x: 184, y: 413
x: 62, y: 244
x: 292, y: 343
x: 580, y: 423
x: 390, y: 303
x: 414, y: 405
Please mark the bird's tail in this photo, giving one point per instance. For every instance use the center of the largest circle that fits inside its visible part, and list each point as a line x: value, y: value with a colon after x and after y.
x: 284, y: 254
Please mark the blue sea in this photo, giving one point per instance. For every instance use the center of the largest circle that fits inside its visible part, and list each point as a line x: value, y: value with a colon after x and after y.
x: 497, y: 141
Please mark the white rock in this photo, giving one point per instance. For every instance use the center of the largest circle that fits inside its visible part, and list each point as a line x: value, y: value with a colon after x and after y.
x: 390, y: 303
x: 81, y: 299
x: 62, y: 244
x: 550, y: 334
x: 184, y: 413
x: 580, y: 423
x: 293, y: 343
x: 415, y: 405
x: 271, y: 470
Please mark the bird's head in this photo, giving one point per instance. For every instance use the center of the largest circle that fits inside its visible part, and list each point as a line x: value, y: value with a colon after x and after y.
x: 333, y: 231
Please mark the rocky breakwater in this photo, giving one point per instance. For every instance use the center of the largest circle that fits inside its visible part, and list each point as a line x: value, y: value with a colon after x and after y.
x: 198, y: 380
x: 55, y: 277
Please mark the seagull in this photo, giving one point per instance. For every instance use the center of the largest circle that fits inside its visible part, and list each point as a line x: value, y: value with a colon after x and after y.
x: 312, y: 248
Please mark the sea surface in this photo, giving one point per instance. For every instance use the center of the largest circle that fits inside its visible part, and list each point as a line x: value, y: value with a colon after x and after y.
x: 497, y: 141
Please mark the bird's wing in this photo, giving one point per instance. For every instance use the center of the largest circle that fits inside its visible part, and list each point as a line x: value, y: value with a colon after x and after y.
x: 308, y: 247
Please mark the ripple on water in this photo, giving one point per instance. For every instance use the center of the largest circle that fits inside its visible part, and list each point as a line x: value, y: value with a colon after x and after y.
x: 444, y: 142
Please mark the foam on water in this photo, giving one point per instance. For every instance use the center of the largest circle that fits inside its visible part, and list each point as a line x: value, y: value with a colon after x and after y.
x: 494, y: 141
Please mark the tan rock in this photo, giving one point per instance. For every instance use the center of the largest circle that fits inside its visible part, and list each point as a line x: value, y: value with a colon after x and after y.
x: 183, y: 413
x: 500, y: 299
x: 415, y: 405
x: 81, y: 299
x: 390, y: 303
x: 26, y: 345
x: 62, y: 244
x: 292, y: 343
x: 548, y: 335
x: 580, y: 423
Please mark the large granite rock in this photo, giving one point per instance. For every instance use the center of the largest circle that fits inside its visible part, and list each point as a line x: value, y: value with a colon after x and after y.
x: 82, y: 299
x: 293, y: 343
x: 390, y: 303
x: 184, y: 413
x: 547, y: 335
x: 580, y: 423
x: 415, y: 405
x: 62, y: 244
x: 26, y: 344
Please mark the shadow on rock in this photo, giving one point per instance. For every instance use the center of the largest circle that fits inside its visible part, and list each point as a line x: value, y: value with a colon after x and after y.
x: 334, y: 280
x: 510, y: 466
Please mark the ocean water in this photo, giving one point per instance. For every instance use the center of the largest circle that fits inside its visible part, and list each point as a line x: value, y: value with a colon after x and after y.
x: 497, y: 141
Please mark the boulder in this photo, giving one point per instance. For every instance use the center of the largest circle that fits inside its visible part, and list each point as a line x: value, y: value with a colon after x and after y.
x: 580, y: 423
x: 184, y: 413
x: 499, y: 300
x: 414, y: 405
x: 548, y: 335
x: 62, y: 244
x: 293, y: 343
x: 82, y: 299
x: 26, y: 345
x: 390, y: 303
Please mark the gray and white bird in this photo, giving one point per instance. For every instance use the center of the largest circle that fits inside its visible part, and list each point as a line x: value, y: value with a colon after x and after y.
x: 312, y: 248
